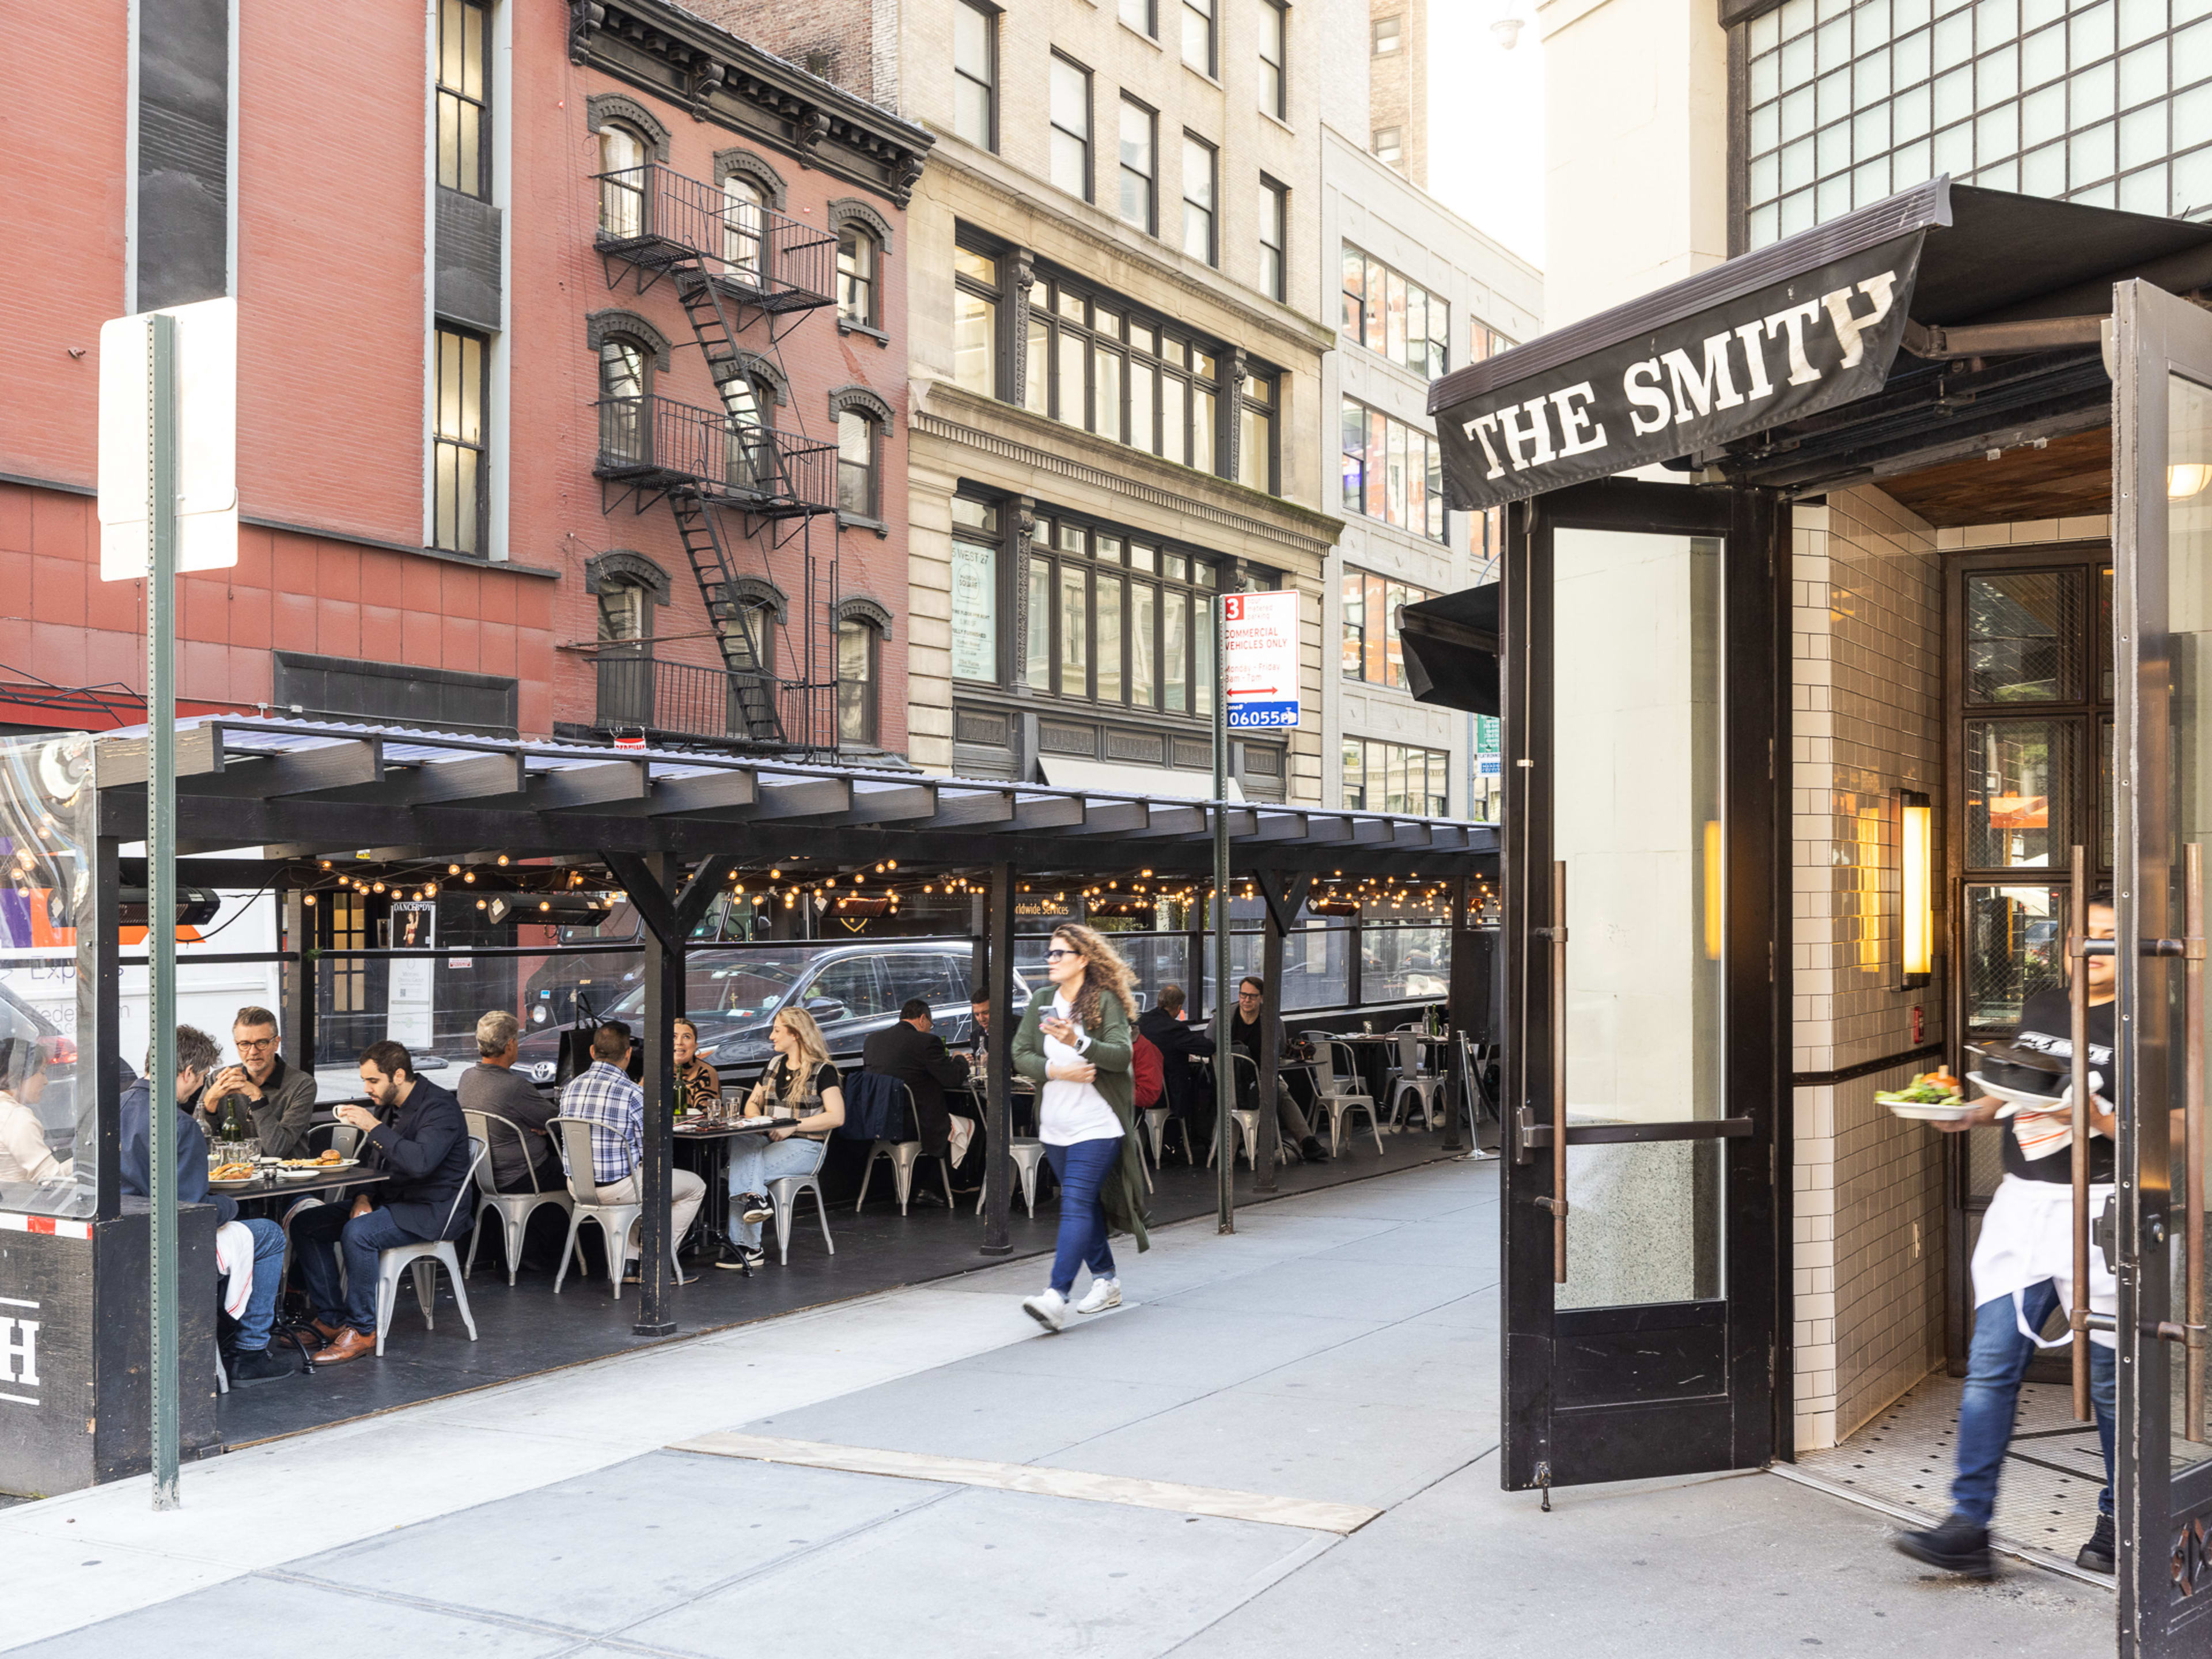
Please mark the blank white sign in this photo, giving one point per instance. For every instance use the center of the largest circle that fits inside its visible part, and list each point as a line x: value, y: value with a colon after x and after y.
x: 207, y: 439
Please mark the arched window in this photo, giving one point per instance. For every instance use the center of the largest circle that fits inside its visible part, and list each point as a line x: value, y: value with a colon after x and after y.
x: 623, y: 154
x: 857, y: 641
x: 858, y: 252
x: 625, y: 383
x: 744, y: 227
x: 856, y: 464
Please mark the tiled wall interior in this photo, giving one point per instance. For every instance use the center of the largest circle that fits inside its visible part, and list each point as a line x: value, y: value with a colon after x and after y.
x: 1869, y: 1203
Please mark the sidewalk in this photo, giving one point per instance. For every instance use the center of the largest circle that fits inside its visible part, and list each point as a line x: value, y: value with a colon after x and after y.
x: 1340, y: 1347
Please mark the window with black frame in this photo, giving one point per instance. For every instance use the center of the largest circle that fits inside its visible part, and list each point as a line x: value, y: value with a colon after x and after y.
x: 1118, y: 620
x: 1388, y: 313
x: 975, y: 296
x: 464, y: 129
x: 1392, y: 471
x: 1397, y: 777
x: 1372, y: 650
x: 1100, y: 364
x: 459, y: 446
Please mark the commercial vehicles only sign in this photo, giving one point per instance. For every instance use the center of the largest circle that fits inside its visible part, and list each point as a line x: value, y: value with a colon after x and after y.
x: 1260, y: 659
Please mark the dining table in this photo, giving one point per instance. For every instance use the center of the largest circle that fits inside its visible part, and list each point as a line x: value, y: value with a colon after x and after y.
x: 710, y: 1139
x: 305, y: 1184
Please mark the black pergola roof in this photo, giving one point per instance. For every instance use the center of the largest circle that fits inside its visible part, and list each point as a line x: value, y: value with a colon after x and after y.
x: 299, y: 790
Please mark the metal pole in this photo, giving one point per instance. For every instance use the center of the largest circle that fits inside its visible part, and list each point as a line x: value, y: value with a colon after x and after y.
x: 2193, y: 1141
x: 1224, y: 996
x: 998, y: 1068
x: 2077, y: 929
x: 1270, y: 1135
x: 161, y: 892
x: 664, y: 981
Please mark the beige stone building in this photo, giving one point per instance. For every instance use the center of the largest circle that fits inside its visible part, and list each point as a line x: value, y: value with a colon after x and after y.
x: 1398, y: 69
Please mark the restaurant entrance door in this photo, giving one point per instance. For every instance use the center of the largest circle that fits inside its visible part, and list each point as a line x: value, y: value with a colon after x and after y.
x: 2161, y: 359
x: 1646, y: 946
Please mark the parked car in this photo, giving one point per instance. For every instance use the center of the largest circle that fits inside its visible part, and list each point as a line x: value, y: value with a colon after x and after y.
x: 852, y: 990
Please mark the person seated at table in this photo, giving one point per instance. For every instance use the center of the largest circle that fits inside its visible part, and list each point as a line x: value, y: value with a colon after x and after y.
x: 24, y: 1154
x: 249, y: 1360
x: 413, y: 1131
x: 800, y: 1083
x: 1258, y: 1031
x: 979, y: 1032
x: 494, y: 1088
x: 909, y: 1050
x: 698, y: 1084
x: 276, y: 1100
x: 1189, y: 1093
x: 604, y: 1096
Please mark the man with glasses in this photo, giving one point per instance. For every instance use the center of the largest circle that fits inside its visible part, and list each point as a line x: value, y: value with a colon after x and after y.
x: 1256, y: 1032
x: 277, y: 1100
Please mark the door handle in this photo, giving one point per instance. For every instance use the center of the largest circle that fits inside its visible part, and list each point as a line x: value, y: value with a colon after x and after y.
x: 2192, y: 968
x: 1558, y: 1202
x: 2077, y: 990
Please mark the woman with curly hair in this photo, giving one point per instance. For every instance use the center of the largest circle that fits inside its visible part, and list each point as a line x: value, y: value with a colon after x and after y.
x: 1075, y: 1041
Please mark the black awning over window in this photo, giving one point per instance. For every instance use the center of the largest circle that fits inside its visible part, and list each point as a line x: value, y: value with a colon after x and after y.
x: 1822, y: 359
x: 1451, y: 649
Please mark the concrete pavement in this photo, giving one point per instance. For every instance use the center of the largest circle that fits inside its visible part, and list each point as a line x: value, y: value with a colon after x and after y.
x: 1341, y: 1347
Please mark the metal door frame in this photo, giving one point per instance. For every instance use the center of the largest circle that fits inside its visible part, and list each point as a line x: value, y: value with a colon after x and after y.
x: 1621, y: 1417
x: 2165, y: 1523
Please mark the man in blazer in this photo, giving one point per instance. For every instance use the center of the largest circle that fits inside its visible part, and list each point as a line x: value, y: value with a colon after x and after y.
x: 906, y: 1050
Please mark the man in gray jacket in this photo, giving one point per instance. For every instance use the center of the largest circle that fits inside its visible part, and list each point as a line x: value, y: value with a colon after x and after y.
x: 276, y: 1099
x: 493, y: 1086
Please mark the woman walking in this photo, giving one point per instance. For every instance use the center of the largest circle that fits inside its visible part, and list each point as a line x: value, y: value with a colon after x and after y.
x: 1075, y: 1040
x: 800, y: 1083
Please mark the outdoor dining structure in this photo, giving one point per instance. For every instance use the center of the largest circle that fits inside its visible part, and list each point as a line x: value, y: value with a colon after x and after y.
x: 395, y: 884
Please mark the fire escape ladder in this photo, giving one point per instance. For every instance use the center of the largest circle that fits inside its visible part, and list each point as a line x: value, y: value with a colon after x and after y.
x: 703, y: 546
x: 710, y: 324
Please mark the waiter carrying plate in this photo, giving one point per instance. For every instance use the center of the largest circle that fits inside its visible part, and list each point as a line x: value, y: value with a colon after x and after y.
x: 2024, y: 1260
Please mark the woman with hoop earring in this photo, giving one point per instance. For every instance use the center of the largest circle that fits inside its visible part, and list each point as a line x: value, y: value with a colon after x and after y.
x: 1074, y: 1041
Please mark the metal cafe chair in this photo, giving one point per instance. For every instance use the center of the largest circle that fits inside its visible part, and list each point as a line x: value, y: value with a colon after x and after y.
x: 1340, y: 1089
x: 513, y: 1209
x: 425, y: 1257
x: 903, y: 1154
x: 1028, y: 1153
x: 1245, y: 1118
x: 1411, y: 1074
x: 573, y: 1140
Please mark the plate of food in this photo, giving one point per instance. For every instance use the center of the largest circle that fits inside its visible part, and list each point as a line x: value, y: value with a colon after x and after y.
x: 1931, y: 1097
x: 233, y: 1174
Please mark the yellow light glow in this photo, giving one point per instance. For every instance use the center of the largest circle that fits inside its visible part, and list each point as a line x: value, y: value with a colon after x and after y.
x: 1915, y: 862
x: 1715, y: 931
x: 2187, y: 479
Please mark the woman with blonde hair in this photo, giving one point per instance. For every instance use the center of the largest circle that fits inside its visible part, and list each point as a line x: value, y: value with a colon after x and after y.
x: 799, y: 1083
x: 1075, y: 1041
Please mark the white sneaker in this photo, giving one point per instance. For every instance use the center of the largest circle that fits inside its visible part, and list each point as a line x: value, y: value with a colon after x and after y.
x: 1048, y: 1307
x: 1104, y: 1293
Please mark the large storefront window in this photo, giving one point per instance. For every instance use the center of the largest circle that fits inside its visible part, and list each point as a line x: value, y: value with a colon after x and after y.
x: 1844, y: 104
x: 1117, y: 621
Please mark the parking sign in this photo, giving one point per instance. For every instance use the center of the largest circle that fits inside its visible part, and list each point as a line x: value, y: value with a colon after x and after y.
x: 1260, y: 659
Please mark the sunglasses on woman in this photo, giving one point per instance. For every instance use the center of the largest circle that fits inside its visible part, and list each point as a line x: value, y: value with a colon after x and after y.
x: 1056, y: 955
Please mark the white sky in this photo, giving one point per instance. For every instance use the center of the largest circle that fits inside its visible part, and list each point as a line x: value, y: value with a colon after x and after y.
x: 1486, y: 122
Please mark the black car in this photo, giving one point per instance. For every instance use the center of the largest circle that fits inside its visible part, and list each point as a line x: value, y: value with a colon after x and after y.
x: 852, y: 990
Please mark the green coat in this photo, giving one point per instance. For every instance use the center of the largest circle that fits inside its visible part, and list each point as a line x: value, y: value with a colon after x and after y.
x: 1123, y: 1197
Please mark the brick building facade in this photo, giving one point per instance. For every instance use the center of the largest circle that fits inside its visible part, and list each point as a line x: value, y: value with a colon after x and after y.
x: 437, y: 284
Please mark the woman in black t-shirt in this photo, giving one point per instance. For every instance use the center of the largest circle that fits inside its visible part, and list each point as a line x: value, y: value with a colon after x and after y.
x: 800, y: 1083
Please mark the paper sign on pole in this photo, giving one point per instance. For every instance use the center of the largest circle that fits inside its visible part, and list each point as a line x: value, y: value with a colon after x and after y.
x: 207, y: 440
x: 1260, y: 659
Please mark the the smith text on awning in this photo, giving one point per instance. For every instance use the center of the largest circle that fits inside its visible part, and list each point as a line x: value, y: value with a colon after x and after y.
x: 1816, y: 339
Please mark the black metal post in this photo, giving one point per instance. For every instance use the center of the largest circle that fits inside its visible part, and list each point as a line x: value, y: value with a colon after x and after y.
x: 663, y: 979
x: 1281, y: 898
x: 1455, y: 1019
x: 999, y: 1166
x: 299, y: 1014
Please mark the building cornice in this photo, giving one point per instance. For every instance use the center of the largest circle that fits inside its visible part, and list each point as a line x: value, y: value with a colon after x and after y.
x: 692, y: 64
x: 955, y: 416
x: 1031, y: 198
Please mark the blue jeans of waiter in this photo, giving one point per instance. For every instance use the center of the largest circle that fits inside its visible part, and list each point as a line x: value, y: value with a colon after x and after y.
x: 362, y: 1238
x: 1082, y: 1170
x: 259, y: 1317
x: 1995, y: 1365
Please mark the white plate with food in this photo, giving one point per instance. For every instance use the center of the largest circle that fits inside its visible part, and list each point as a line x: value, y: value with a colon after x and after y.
x: 1930, y: 1097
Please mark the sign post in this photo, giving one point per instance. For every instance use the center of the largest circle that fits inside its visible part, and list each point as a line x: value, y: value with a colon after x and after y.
x: 168, y: 501
x: 1255, y: 643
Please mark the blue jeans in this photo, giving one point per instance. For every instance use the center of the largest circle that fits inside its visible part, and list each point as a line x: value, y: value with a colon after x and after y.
x: 755, y: 1160
x: 1082, y: 1170
x: 260, y: 1315
x: 1995, y: 1366
x: 361, y: 1238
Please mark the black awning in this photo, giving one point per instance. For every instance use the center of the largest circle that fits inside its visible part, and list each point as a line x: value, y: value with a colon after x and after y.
x: 1451, y: 649
x: 1761, y: 365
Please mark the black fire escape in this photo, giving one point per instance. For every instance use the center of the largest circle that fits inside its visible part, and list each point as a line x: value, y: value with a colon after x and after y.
x: 735, y: 266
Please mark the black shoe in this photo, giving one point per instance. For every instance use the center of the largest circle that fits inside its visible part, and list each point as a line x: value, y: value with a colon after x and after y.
x: 2097, y: 1553
x: 737, y: 1257
x: 926, y: 1199
x: 1958, y: 1546
x: 1311, y: 1150
x: 248, y: 1365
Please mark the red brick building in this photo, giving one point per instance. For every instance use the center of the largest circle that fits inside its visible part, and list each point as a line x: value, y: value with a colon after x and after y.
x: 572, y: 367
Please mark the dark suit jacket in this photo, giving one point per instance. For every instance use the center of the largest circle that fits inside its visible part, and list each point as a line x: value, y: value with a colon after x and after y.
x: 424, y: 1144
x: 1177, y: 1041
x: 919, y: 1059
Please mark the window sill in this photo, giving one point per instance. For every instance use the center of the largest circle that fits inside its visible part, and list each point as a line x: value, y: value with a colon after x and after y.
x: 1211, y: 80
x: 1269, y: 115
x: 1151, y: 40
x: 855, y: 522
x: 846, y: 325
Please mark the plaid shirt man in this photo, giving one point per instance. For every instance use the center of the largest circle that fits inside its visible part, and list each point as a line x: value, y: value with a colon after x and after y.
x: 605, y: 1097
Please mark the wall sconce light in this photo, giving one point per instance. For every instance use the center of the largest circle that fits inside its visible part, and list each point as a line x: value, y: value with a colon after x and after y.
x: 1916, y: 866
